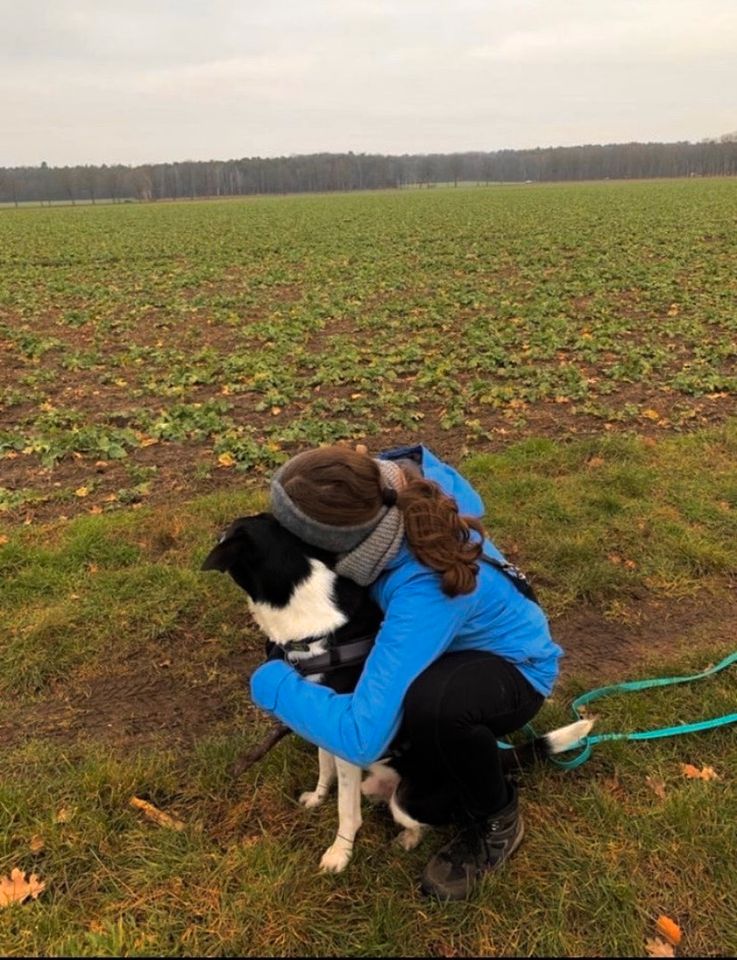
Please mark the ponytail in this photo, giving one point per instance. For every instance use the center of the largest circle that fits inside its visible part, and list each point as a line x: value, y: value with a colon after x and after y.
x: 439, y: 536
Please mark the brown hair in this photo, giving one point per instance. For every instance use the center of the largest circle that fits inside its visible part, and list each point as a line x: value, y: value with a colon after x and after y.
x: 341, y: 487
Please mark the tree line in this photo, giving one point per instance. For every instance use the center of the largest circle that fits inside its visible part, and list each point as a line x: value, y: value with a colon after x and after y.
x: 358, y: 171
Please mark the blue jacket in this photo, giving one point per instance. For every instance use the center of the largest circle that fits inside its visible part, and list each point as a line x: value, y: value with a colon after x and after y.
x: 420, y: 623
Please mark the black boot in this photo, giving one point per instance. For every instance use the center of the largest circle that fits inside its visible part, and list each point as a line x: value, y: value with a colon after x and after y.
x: 478, y: 849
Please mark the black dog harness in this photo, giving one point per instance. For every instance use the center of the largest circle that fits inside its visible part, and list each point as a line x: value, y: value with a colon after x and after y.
x: 336, y: 657
x: 514, y: 574
x: 351, y: 654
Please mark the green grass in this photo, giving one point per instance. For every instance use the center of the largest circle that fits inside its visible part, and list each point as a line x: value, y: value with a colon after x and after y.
x: 253, y: 327
x: 603, y: 856
x: 601, y: 518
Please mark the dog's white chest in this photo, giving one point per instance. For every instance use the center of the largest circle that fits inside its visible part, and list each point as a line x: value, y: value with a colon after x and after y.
x: 311, y: 611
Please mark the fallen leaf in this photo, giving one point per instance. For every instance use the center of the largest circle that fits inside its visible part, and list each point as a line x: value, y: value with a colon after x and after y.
x: 158, y: 816
x: 81, y: 492
x: 669, y: 929
x: 673, y: 310
x: 3, y: 540
x: 614, y: 787
x: 64, y: 815
x: 16, y: 889
x: 226, y: 460
x: 595, y: 462
x: 693, y: 773
x: 651, y: 414
x: 658, y: 948
x: 657, y: 786
x: 36, y: 843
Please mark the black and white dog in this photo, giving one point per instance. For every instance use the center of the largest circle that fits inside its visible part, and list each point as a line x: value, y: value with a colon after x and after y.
x: 324, y: 625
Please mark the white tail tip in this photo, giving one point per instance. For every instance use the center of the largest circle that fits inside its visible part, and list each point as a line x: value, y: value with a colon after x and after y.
x: 564, y: 738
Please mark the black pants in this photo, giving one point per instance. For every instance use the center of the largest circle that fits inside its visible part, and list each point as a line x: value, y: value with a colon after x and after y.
x: 447, y: 752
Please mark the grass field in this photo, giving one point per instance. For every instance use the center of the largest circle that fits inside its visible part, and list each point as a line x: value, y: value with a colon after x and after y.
x: 148, y: 350
x: 570, y: 347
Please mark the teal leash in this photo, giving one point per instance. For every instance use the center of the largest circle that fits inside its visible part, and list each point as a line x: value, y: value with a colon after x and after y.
x: 588, y: 743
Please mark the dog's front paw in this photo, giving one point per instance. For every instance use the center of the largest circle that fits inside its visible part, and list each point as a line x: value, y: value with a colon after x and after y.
x: 409, y: 838
x: 336, y: 858
x: 311, y: 798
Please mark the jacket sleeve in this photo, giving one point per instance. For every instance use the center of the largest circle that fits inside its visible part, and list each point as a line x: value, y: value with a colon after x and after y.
x: 419, y: 625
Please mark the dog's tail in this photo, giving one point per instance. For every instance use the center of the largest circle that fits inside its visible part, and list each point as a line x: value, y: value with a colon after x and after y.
x: 556, y: 741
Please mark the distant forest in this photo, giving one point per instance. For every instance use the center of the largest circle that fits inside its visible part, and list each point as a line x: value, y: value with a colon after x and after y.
x: 358, y: 171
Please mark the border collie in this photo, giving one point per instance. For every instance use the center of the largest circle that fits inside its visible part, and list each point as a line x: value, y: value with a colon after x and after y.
x: 324, y: 625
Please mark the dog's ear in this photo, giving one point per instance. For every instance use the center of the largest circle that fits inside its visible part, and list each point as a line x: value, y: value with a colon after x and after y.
x: 225, y: 553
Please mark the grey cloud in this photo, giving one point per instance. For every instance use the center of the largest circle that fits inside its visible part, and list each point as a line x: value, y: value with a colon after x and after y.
x: 91, y: 81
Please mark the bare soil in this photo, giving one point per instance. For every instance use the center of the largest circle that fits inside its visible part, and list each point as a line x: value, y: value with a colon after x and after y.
x: 145, y: 699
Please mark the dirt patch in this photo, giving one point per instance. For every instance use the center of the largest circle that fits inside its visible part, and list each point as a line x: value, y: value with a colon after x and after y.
x: 145, y: 699
x: 602, y: 649
x: 139, y: 701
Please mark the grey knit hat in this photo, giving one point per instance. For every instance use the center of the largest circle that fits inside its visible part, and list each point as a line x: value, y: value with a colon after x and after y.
x: 364, y: 549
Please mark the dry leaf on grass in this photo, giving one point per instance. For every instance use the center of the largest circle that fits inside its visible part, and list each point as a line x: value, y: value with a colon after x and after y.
x: 693, y: 773
x: 16, y: 889
x: 36, y: 843
x: 669, y: 929
x: 659, y: 948
x: 158, y: 816
x: 657, y: 786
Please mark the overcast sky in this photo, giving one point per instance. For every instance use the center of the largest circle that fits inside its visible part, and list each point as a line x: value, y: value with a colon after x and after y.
x: 93, y: 81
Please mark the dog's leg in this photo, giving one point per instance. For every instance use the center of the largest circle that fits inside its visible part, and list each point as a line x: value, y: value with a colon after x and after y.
x: 325, y: 778
x: 381, y: 782
x: 336, y: 857
x: 413, y: 829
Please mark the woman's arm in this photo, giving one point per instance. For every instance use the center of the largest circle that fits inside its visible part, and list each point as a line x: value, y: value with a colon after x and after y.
x: 419, y: 625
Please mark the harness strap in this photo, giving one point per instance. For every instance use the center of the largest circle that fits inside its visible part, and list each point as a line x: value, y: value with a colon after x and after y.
x: 336, y: 657
x: 514, y: 575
